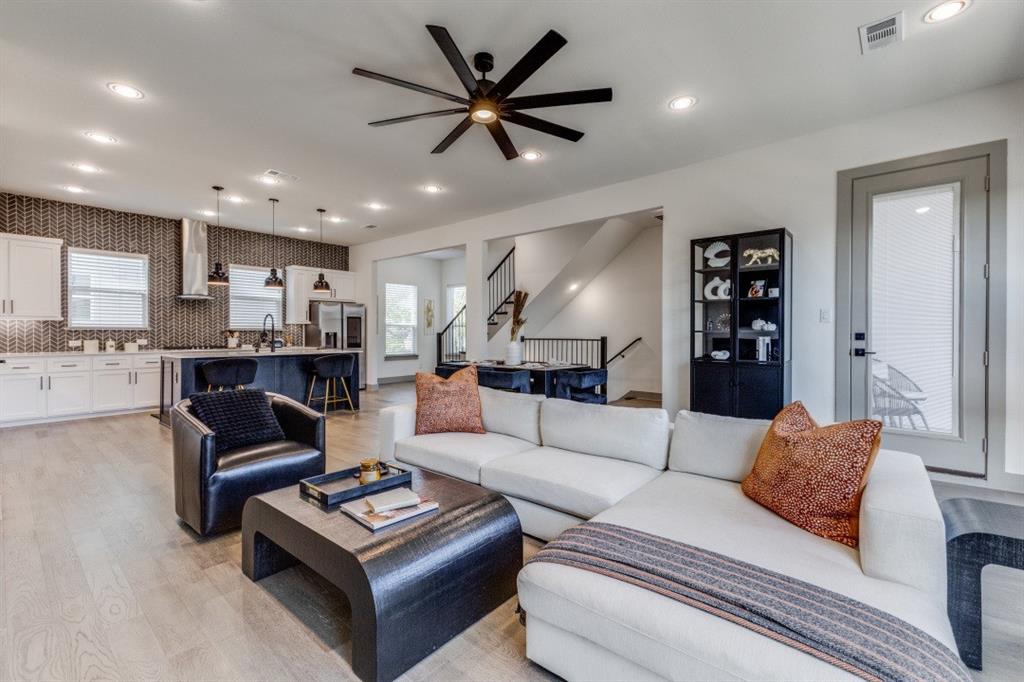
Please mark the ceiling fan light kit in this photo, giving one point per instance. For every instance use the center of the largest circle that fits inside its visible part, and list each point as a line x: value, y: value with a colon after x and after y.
x: 490, y: 103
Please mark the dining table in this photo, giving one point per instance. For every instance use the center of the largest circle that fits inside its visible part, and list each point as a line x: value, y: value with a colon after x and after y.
x: 542, y: 374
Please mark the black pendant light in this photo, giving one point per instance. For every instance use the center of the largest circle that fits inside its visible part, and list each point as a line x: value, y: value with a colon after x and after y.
x: 321, y: 284
x: 273, y: 281
x: 217, y: 277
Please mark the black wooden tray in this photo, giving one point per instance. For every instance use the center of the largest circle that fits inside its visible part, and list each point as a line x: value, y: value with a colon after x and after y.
x: 341, y: 486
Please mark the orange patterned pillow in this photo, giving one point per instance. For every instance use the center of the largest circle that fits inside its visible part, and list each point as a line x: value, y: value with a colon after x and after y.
x: 813, y: 476
x: 448, y: 405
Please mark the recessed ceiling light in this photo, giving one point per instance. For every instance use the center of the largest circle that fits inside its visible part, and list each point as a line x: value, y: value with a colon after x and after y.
x: 302, y: 228
x: 85, y: 167
x: 208, y: 213
x: 923, y: 209
x: 102, y: 138
x: 267, y: 180
x: 375, y: 206
x: 235, y: 199
x: 74, y: 189
x: 531, y: 155
x: 574, y: 286
x: 126, y: 91
x: 682, y: 103
x: 336, y: 219
x: 946, y: 10
x: 432, y: 189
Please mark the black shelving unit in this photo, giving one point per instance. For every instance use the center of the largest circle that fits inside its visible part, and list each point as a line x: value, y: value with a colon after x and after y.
x: 746, y: 382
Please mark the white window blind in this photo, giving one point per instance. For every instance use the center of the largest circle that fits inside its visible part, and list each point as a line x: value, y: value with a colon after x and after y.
x: 108, y: 290
x: 400, y: 302
x: 250, y: 301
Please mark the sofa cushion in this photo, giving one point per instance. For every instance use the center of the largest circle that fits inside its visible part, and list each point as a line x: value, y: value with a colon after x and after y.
x: 513, y: 414
x: 448, y: 405
x: 457, y: 454
x: 572, y: 482
x: 715, y: 446
x: 627, y: 433
x: 239, y: 418
x: 676, y: 641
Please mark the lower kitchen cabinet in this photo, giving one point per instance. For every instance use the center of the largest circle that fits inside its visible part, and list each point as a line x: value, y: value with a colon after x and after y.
x: 146, y: 391
x: 22, y: 396
x: 68, y: 394
x: 111, y: 390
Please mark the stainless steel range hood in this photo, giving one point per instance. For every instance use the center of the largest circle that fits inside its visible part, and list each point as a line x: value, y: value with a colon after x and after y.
x: 194, y: 265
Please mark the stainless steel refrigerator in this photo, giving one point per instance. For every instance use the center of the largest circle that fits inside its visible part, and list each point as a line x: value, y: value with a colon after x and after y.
x: 341, y: 325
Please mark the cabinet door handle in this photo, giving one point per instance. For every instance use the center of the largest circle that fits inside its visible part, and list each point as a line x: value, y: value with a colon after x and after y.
x: 19, y: 366
x: 72, y: 365
x: 136, y: 377
x: 49, y: 383
x: 40, y: 383
x: 111, y: 364
x: 129, y: 378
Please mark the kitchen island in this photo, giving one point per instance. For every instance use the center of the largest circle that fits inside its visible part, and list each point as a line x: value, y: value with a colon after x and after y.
x: 286, y: 371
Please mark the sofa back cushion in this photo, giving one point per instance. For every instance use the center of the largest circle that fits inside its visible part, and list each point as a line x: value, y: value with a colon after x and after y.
x: 239, y: 418
x: 511, y: 414
x: 719, y: 447
x: 627, y: 433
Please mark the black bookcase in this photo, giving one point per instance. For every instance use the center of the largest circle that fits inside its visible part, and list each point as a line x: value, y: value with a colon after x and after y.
x: 740, y: 335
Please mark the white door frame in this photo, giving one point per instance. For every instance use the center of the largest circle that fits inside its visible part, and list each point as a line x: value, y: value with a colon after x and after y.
x: 995, y: 152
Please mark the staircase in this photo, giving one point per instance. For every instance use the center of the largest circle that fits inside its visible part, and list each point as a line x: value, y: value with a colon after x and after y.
x: 501, y: 285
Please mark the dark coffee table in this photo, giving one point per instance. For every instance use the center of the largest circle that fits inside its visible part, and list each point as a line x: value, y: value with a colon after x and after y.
x: 412, y: 586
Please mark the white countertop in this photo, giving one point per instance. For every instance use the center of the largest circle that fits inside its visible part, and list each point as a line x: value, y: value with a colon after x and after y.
x: 70, y: 352
x: 293, y: 350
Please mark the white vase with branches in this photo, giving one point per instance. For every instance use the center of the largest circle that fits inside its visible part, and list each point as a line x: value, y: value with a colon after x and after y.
x: 514, y: 351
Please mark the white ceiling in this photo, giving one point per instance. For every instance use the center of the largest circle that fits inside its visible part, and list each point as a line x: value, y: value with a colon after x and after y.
x: 234, y: 88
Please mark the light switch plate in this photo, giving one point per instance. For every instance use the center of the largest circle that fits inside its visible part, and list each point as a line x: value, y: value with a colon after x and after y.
x: 825, y: 315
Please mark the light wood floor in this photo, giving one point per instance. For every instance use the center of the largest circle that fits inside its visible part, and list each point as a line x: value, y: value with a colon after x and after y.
x: 100, y: 581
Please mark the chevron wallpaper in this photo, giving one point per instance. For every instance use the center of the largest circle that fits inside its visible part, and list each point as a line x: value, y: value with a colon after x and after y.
x: 172, y: 322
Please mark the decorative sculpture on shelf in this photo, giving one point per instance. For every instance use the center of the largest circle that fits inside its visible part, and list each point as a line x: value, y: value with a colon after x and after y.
x: 720, y: 354
x: 769, y: 256
x: 717, y: 254
x: 717, y: 290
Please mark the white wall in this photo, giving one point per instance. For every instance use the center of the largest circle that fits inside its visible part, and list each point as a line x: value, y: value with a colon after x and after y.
x: 540, y: 256
x: 425, y: 273
x: 622, y: 302
x: 789, y: 183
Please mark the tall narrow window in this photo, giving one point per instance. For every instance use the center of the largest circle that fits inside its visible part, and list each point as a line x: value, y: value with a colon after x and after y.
x: 400, y: 324
x: 250, y: 301
x: 456, y: 300
x: 107, y: 290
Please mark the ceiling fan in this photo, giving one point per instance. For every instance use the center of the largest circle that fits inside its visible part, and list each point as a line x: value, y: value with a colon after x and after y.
x: 490, y: 103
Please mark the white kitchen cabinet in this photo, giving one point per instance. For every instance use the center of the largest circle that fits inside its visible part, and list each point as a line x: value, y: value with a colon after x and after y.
x: 146, y: 389
x: 299, y: 290
x: 112, y: 390
x: 68, y: 393
x: 22, y: 396
x: 30, y: 278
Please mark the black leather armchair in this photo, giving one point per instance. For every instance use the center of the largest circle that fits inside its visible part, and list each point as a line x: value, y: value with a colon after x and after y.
x: 210, y: 490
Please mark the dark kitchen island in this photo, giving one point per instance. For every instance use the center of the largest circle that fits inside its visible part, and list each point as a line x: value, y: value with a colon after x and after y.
x: 286, y: 371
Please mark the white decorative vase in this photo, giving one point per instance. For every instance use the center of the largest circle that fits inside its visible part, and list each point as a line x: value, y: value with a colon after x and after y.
x: 513, y: 354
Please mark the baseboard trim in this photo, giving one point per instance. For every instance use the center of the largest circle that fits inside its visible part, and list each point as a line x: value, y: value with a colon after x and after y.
x: 396, y: 380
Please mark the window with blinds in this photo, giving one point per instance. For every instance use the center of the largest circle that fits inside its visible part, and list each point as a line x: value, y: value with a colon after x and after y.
x: 400, y: 301
x: 250, y: 301
x: 107, y: 290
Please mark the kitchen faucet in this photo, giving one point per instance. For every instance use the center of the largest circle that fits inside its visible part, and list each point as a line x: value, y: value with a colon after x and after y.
x: 273, y: 332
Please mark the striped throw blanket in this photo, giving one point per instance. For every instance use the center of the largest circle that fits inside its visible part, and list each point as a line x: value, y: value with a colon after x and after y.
x: 846, y: 633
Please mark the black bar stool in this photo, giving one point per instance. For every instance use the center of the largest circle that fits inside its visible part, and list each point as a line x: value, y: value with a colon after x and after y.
x: 332, y: 368
x: 229, y: 373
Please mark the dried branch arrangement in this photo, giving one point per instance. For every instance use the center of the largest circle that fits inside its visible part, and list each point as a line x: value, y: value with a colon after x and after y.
x: 518, y: 306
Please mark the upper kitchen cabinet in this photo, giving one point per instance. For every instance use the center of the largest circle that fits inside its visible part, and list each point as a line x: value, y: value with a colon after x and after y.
x: 299, y: 290
x: 29, y: 278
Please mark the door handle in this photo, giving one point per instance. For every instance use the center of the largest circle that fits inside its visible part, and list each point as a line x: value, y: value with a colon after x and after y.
x: 860, y: 352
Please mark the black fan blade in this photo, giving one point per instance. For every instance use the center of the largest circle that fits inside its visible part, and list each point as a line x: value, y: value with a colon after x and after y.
x: 559, y: 99
x: 543, y: 126
x: 545, y: 48
x: 463, y: 126
x: 501, y: 139
x: 416, y: 117
x: 411, y: 86
x: 455, y: 58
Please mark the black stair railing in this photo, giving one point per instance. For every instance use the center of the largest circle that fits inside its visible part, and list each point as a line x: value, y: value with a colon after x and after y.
x: 501, y: 285
x: 451, y: 341
x: 622, y: 353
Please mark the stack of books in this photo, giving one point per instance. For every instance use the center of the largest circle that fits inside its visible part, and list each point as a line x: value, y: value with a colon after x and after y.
x: 388, y: 508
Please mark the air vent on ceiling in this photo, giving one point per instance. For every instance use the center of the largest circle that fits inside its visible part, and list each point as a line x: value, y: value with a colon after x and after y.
x: 881, y: 33
x: 280, y: 175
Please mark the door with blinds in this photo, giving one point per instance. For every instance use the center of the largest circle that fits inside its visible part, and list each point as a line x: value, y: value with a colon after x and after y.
x: 918, y: 306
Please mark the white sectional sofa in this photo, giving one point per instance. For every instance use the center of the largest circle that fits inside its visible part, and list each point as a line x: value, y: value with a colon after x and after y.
x: 560, y: 463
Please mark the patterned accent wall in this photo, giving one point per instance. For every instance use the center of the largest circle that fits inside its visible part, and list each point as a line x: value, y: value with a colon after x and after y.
x: 173, y: 323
